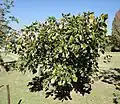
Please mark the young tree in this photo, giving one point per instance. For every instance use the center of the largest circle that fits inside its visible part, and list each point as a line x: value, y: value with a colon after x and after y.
x: 64, y: 52
x: 116, y: 32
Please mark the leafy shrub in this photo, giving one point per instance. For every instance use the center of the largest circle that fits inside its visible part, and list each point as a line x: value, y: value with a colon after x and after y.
x: 65, y: 52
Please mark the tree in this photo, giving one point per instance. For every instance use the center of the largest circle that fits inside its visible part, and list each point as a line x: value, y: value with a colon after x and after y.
x: 5, y: 29
x: 64, y: 51
x: 116, y: 32
x: 5, y: 19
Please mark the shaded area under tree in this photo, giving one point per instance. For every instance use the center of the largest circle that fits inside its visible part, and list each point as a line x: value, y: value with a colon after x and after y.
x: 112, y: 76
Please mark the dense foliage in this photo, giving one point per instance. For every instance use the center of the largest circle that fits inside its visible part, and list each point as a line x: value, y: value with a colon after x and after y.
x: 116, y: 32
x: 64, y: 51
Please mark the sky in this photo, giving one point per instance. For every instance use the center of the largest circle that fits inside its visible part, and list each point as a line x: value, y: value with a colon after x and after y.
x: 28, y: 11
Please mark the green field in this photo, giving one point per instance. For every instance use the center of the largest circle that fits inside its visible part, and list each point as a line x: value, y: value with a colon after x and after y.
x: 102, y: 93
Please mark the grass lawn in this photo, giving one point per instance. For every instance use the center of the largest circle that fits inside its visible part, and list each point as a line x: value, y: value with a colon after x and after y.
x: 102, y: 93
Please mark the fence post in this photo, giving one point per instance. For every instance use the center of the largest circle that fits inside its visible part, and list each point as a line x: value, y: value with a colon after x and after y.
x: 1, y: 86
x: 8, y: 93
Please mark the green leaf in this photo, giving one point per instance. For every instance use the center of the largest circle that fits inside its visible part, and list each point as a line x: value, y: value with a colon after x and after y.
x: 83, y: 45
x: 71, y: 39
x: 60, y: 83
x: 75, y: 78
x: 53, y: 80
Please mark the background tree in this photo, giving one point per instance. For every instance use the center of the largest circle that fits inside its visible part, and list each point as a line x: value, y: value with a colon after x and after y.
x: 116, y: 32
x: 5, y: 29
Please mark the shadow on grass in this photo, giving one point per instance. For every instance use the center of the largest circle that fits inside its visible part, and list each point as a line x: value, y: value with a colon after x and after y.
x: 61, y: 92
x: 112, y: 76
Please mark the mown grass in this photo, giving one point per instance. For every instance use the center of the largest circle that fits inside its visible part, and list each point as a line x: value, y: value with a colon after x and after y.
x: 102, y: 93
